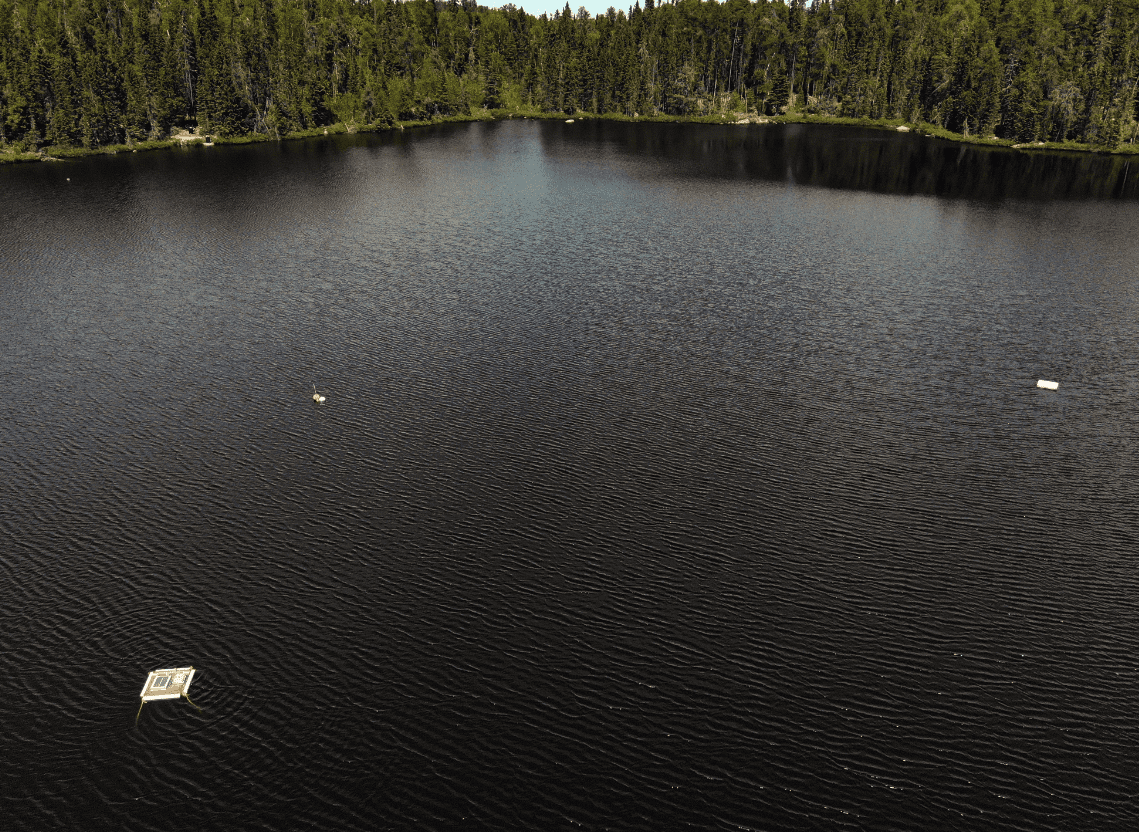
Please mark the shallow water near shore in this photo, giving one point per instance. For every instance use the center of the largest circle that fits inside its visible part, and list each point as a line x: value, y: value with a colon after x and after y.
x: 669, y: 477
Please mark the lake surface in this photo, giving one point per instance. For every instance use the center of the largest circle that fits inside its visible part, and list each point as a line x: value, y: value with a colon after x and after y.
x: 669, y: 477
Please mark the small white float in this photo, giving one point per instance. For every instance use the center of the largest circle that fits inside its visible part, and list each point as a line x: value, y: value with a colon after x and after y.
x: 316, y: 397
x: 168, y: 683
x: 569, y: 121
x: 1048, y: 385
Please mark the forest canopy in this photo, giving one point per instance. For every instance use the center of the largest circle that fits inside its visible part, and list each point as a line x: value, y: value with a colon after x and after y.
x: 91, y: 73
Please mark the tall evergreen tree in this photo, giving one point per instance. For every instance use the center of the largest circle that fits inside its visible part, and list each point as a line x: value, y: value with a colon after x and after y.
x: 80, y: 72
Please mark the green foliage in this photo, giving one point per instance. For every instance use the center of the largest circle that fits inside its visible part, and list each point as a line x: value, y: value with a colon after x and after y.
x: 81, y: 73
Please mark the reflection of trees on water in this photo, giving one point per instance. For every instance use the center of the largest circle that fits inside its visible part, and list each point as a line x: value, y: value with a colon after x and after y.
x: 854, y: 158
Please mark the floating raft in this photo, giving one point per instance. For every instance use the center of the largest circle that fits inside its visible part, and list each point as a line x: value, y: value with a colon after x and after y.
x: 169, y: 683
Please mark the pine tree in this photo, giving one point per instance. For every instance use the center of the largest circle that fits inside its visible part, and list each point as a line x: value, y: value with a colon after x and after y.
x: 78, y: 72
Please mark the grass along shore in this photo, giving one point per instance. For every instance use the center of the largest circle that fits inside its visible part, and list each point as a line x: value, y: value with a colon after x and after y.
x: 185, y: 138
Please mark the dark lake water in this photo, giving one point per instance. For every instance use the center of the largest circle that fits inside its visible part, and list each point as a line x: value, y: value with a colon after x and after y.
x: 669, y: 477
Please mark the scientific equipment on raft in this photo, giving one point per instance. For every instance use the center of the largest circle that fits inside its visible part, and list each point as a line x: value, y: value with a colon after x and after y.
x: 169, y: 683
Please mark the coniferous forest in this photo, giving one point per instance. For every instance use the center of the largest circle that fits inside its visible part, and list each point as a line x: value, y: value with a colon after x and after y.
x: 93, y: 73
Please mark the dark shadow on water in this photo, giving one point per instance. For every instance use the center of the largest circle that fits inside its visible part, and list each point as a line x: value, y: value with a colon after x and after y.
x: 858, y: 158
x: 815, y: 155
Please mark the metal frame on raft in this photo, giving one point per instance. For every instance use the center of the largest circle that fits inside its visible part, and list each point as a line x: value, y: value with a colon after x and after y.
x: 168, y: 683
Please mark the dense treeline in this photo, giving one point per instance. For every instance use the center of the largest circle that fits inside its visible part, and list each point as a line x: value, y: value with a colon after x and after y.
x: 98, y: 72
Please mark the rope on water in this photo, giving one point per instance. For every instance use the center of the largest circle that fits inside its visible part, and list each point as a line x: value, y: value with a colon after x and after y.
x: 188, y: 699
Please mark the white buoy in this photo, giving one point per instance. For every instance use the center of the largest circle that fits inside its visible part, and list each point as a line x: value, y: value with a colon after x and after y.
x: 316, y: 397
x: 1048, y: 385
x: 569, y: 121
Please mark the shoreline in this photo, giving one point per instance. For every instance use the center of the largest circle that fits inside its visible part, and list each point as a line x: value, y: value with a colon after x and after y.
x: 186, y: 139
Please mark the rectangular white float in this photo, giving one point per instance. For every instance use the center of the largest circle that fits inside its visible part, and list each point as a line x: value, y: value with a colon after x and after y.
x: 1048, y: 385
x: 169, y: 683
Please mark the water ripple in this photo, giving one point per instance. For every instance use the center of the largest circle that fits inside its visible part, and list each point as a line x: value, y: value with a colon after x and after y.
x: 643, y: 496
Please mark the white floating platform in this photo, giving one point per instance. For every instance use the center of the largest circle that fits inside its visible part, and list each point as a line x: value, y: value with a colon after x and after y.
x: 1048, y: 385
x: 169, y: 683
